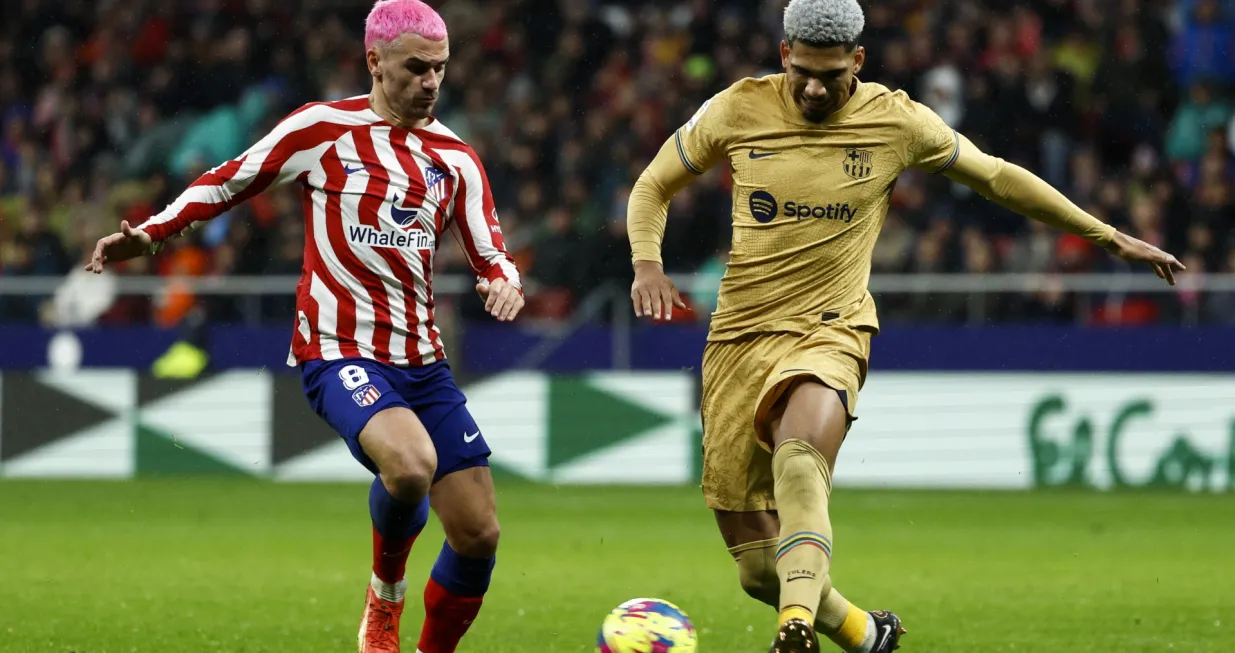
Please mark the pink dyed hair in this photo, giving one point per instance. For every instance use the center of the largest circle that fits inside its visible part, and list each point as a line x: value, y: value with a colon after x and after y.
x: 391, y: 19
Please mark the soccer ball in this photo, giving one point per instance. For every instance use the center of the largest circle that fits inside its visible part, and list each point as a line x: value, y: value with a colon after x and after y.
x: 647, y: 626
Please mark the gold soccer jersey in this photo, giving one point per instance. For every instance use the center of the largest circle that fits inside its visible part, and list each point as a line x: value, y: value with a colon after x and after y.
x: 809, y: 199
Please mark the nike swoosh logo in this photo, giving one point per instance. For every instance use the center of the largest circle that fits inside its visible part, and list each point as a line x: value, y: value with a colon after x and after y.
x: 883, y: 639
x: 468, y: 438
x: 349, y: 171
x: 760, y: 155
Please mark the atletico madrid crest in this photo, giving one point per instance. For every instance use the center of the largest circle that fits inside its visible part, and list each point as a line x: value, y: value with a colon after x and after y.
x: 859, y: 163
x: 366, y: 395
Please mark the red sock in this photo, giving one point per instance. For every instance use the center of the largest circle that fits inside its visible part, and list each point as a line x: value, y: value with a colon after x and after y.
x: 447, y: 618
x: 390, y: 557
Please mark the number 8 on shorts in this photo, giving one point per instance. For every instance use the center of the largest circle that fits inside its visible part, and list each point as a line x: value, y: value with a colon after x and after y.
x: 353, y: 376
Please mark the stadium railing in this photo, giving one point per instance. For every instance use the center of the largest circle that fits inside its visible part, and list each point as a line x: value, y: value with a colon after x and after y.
x: 609, y: 300
x: 604, y: 315
x: 452, y: 284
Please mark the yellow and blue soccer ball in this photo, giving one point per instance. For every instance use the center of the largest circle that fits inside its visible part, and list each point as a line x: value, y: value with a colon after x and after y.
x: 647, y: 626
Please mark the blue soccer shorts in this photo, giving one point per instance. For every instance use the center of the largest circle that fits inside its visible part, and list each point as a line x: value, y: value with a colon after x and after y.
x: 348, y: 393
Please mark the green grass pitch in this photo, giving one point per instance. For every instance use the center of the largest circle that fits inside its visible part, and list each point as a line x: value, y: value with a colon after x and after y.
x: 212, y: 565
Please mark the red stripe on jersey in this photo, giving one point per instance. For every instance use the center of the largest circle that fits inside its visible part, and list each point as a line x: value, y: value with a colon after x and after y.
x: 345, y: 320
x: 336, y: 178
x: 488, y: 208
x: 222, y: 175
x: 439, y: 225
x: 441, y: 218
x: 448, y: 185
x: 435, y: 338
x: 432, y: 141
x: 370, y: 205
x: 415, y: 178
x: 417, y: 190
x: 304, y: 350
x: 480, y: 265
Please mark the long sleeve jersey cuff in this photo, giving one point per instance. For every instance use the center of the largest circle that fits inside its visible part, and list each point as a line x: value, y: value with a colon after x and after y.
x: 1019, y: 190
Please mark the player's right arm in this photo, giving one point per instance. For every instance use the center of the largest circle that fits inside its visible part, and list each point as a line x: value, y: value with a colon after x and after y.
x: 281, y: 156
x: 695, y: 147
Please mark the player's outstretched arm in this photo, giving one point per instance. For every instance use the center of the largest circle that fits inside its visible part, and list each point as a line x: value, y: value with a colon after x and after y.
x: 653, y: 293
x: 1017, y: 189
x: 289, y: 150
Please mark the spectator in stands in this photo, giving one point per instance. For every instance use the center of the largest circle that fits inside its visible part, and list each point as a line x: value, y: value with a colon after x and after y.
x: 1203, y: 49
x: 102, y: 103
x: 1201, y: 114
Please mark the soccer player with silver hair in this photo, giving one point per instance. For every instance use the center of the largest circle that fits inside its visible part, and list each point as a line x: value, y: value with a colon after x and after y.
x: 382, y: 181
x: 814, y: 154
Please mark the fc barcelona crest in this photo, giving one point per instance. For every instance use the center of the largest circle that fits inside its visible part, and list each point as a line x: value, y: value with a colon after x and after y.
x: 859, y: 163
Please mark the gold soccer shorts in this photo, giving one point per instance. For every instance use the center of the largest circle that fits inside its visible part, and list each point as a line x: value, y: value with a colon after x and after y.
x: 742, y: 380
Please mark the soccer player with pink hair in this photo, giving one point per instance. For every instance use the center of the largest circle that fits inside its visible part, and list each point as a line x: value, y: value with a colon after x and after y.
x: 382, y: 182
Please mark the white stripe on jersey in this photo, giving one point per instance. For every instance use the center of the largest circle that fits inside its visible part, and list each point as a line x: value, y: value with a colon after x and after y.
x: 327, y: 317
x: 336, y: 269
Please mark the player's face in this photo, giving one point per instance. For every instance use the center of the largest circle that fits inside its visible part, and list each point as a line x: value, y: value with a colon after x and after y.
x: 820, y: 78
x: 410, y: 72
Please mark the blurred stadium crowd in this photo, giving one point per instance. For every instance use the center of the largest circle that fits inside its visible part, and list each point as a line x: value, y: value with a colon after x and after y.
x: 108, y: 108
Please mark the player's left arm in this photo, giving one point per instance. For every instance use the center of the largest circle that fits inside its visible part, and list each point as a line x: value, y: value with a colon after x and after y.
x: 1019, y: 190
x: 930, y: 144
x: 480, y: 234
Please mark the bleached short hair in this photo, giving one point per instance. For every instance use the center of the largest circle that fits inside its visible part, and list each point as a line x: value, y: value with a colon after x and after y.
x: 390, y: 19
x: 824, y: 23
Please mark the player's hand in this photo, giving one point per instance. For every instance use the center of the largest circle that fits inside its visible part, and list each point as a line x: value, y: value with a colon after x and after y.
x: 1138, y: 251
x: 653, y: 293
x: 131, y: 242
x: 503, y: 299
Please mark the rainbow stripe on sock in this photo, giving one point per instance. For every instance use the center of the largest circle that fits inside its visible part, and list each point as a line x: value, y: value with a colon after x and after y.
x: 804, y: 538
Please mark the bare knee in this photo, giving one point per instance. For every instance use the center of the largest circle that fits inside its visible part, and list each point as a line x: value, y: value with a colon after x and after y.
x: 408, y: 479
x: 408, y: 472
x: 475, y: 539
x: 400, y: 446
x: 466, y: 505
x: 812, y: 412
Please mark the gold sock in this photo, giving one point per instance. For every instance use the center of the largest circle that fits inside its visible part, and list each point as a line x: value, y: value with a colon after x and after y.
x: 843, y: 622
x: 838, y: 619
x: 802, y: 486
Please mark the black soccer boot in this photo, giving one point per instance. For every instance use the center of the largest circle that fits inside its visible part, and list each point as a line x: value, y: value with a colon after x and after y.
x: 888, y: 631
x: 795, y: 636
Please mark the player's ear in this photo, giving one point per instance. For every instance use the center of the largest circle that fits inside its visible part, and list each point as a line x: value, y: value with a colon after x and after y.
x: 374, y: 60
x: 859, y: 58
x: 784, y: 54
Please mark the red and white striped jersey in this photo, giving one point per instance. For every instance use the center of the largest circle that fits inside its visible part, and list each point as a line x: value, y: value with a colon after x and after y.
x: 378, y: 199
